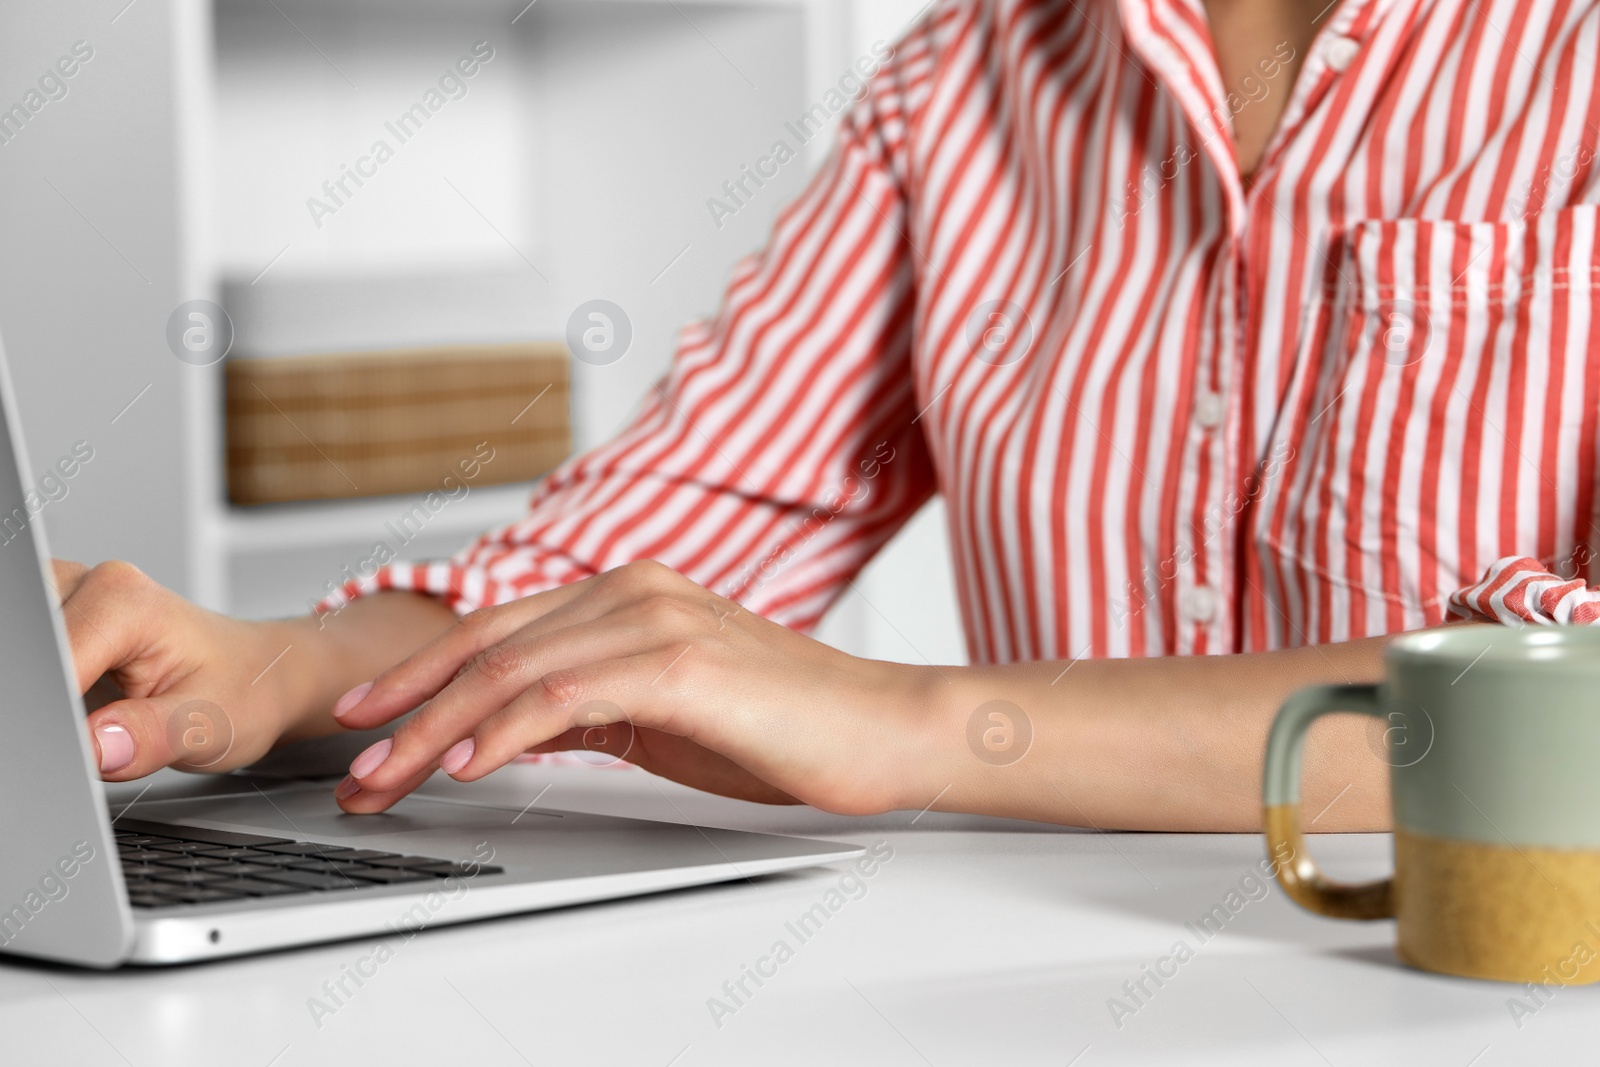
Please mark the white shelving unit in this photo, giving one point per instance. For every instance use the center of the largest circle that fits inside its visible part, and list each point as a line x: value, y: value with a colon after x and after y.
x: 575, y: 163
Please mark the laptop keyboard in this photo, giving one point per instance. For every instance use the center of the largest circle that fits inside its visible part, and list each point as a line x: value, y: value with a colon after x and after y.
x: 168, y: 866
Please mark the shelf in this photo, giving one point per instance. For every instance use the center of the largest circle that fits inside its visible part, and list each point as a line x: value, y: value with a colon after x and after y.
x: 278, y: 528
x: 294, y: 313
x: 519, y: 10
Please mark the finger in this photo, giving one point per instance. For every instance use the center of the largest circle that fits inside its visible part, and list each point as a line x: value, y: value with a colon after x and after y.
x: 496, y: 678
x: 137, y: 736
x: 619, y: 740
x: 428, y: 670
x: 131, y: 739
x: 357, y: 801
x: 65, y: 576
x: 588, y: 698
x: 433, y: 666
x: 692, y: 764
x: 670, y: 756
x: 107, y: 616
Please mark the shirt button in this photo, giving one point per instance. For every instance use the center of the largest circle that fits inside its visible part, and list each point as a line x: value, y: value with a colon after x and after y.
x: 1200, y: 604
x: 1341, y: 52
x: 1210, y: 409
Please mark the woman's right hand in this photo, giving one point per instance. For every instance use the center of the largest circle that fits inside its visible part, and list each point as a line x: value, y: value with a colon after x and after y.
x: 188, y: 688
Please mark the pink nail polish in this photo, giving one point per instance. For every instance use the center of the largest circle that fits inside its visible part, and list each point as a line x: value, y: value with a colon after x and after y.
x: 347, y: 788
x: 457, y: 756
x: 372, y: 758
x: 348, y: 702
x: 116, y: 747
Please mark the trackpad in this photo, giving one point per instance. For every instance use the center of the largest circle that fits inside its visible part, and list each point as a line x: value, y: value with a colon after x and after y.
x: 313, y: 816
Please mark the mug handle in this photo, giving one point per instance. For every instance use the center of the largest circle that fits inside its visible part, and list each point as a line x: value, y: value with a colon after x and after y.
x: 1298, y: 873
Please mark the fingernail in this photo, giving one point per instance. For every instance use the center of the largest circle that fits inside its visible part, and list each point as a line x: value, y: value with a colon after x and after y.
x: 116, y: 747
x: 372, y: 758
x: 348, y: 702
x: 347, y: 788
x: 457, y: 756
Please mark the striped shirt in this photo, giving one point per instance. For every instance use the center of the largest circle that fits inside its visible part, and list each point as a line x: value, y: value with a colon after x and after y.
x: 1169, y: 411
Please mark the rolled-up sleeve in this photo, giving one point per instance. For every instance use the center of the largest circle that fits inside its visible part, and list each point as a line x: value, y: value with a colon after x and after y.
x: 1521, y: 589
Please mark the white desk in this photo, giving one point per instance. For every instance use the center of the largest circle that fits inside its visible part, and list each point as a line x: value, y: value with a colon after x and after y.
x: 980, y: 942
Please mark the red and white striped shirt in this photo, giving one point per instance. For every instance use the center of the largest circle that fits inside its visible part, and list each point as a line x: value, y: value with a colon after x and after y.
x: 1168, y: 412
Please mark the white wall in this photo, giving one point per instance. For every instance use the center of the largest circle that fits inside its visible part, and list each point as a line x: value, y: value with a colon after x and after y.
x: 91, y: 264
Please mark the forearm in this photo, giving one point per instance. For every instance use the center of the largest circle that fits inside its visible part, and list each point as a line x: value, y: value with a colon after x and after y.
x: 1173, y: 743
x: 328, y: 655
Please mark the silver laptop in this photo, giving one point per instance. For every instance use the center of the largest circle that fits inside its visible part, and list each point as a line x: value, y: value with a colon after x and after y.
x: 273, y: 863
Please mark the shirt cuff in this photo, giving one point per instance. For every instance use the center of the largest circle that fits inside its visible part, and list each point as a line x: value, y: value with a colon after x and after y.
x: 1520, y: 589
x: 462, y: 587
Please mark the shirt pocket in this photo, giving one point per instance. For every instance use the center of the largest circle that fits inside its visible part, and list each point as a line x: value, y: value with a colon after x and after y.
x: 1447, y: 417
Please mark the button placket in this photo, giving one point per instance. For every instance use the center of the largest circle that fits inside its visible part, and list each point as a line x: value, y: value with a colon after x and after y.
x: 1200, y: 604
x: 1340, y: 52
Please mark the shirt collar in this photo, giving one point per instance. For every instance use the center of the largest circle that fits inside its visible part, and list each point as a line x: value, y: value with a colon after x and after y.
x: 1172, y: 38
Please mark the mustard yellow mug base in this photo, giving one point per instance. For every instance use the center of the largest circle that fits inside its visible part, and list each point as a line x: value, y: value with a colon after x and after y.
x: 1509, y: 913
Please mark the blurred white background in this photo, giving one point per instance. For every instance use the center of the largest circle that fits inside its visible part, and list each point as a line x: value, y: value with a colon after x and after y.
x: 176, y: 162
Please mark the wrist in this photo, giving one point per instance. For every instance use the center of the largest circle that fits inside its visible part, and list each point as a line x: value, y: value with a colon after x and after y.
x: 298, y: 679
x: 935, y: 763
x: 980, y: 740
x: 332, y: 653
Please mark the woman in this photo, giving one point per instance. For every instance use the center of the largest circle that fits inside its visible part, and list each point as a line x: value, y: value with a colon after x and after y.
x: 1235, y: 339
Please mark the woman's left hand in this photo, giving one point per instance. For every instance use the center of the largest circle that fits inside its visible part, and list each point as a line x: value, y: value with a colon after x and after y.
x: 647, y: 666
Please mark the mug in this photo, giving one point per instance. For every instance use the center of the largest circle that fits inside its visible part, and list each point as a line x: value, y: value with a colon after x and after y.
x: 1492, y: 734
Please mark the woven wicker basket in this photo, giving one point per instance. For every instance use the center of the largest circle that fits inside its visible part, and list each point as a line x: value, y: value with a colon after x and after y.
x: 376, y: 423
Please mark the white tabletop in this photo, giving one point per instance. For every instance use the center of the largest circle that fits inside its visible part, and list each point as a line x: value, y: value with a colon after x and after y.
x: 979, y: 942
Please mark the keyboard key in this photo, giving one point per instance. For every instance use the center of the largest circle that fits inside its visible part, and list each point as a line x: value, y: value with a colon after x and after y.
x: 305, y: 848
x: 402, y: 861
x: 189, y: 877
x: 238, y: 870
x: 146, y: 900
x: 312, y: 863
x: 365, y: 855
x: 459, y: 870
x: 201, y: 834
x: 128, y: 837
x: 145, y: 856
x: 393, y: 875
x: 141, y: 870
x: 217, y: 852
x: 189, y: 862
x: 310, y: 879
x: 441, y: 869
x: 254, y: 887
x: 183, y: 848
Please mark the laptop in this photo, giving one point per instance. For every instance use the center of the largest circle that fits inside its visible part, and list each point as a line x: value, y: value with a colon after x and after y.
x: 273, y: 863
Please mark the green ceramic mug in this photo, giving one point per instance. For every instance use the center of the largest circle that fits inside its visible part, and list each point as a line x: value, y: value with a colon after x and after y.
x: 1492, y: 734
